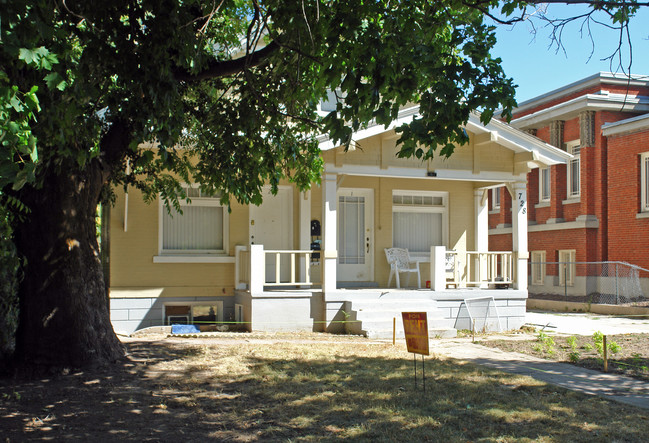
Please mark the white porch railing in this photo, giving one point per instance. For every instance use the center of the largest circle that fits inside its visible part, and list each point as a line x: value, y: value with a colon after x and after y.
x: 286, y: 268
x: 471, y: 268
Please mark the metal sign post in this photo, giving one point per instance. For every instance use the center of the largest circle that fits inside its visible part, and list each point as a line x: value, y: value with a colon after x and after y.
x: 415, y: 327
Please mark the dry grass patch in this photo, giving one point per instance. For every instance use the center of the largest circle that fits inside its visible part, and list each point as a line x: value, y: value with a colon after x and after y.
x: 265, y: 389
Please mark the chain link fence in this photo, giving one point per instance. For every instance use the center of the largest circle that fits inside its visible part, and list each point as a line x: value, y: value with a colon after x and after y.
x: 609, y: 282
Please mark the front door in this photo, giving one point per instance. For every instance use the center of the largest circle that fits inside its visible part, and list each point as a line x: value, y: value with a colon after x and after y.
x: 355, y: 235
x: 271, y: 225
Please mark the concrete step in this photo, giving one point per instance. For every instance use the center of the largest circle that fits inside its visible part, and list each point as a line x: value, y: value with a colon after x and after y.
x: 376, y: 317
x: 372, y: 314
x: 380, y: 294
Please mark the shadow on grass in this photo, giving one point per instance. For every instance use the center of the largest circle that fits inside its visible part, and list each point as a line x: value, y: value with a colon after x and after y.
x: 299, y: 392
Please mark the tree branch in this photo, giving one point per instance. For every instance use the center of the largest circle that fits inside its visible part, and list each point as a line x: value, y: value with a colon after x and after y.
x: 227, y: 68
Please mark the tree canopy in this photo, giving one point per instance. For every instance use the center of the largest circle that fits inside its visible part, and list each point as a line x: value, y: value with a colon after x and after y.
x: 84, y: 85
x: 236, y: 82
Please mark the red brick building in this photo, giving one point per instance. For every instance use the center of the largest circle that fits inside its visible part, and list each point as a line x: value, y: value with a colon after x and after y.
x: 595, y: 208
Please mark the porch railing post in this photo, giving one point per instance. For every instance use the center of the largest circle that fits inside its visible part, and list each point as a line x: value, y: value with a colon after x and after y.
x: 257, y: 269
x: 238, y: 280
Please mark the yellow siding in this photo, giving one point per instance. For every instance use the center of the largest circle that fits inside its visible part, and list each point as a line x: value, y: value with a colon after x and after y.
x: 132, y: 252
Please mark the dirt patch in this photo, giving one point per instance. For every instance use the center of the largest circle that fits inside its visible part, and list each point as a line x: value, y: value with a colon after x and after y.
x: 628, y: 354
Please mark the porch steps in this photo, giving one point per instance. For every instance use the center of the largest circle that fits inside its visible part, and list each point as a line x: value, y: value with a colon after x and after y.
x: 375, y: 318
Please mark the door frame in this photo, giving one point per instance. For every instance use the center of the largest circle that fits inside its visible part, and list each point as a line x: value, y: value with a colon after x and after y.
x: 287, y: 217
x: 368, y: 193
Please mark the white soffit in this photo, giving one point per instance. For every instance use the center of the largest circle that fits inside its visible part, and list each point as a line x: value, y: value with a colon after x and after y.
x: 505, y: 135
x: 405, y: 116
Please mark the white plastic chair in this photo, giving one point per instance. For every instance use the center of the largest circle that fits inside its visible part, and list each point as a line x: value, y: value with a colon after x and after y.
x: 399, y: 261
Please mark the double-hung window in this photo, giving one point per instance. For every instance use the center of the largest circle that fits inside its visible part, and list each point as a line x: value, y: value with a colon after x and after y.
x: 644, y: 182
x: 544, y: 184
x: 573, y: 170
x: 495, y: 199
x: 538, y: 267
x: 567, y: 267
x: 419, y: 220
x: 201, y: 228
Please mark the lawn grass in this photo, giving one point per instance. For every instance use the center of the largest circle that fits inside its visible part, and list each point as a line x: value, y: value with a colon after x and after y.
x: 366, y: 391
x: 278, y: 388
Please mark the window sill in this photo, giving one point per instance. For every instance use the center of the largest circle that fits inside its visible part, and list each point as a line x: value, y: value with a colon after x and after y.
x: 206, y: 258
x: 543, y: 204
x: 494, y: 211
x: 642, y: 215
x: 571, y: 200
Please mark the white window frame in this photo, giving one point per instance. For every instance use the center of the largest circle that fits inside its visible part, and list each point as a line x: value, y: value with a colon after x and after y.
x: 437, y: 209
x: 545, y: 178
x: 195, y: 201
x: 567, y: 256
x: 495, y: 199
x: 190, y: 317
x: 571, y: 147
x: 537, y: 260
x: 644, y: 182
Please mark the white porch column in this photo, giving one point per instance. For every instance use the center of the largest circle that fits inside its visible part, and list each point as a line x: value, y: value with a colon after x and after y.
x: 305, y: 231
x: 438, y: 268
x: 329, y: 231
x: 481, y: 232
x: 257, y: 269
x: 519, y: 234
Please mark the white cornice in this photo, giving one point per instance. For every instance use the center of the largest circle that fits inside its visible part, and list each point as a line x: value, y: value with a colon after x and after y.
x: 634, y: 124
x: 588, y: 102
x: 603, y: 78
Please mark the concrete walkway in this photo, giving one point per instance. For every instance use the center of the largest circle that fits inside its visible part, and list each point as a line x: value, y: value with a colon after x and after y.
x: 587, y: 323
x: 614, y: 387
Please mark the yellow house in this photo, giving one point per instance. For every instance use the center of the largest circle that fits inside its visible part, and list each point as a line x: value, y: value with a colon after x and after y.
x: 318, y: 260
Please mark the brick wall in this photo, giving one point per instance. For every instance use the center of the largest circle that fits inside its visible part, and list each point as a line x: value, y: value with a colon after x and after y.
x: 610, y: 191
x: 628, y: 236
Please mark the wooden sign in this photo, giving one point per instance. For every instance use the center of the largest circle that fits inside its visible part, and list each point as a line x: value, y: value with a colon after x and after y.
x: 415, y: 326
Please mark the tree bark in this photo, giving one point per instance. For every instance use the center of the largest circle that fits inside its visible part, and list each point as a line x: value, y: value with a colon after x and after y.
x: 64, y: 320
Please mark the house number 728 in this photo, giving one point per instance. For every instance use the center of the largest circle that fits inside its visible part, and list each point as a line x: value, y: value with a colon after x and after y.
x: 522, y: 202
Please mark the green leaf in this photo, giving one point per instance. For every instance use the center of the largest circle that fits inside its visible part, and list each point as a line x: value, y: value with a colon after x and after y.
x: 55, y: 81
x: 26, y: 55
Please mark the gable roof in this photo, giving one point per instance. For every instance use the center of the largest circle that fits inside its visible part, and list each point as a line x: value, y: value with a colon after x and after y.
x: 541, y: 153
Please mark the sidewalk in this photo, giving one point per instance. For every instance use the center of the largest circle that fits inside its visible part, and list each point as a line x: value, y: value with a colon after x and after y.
x: 586, y: 323
x: 614, y: 387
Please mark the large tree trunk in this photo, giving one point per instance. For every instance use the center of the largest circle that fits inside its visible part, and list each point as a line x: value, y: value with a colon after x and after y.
x: 64, y: 320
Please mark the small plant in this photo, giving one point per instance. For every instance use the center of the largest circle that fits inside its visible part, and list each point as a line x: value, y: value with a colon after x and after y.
x: 587, y: 347
x: 574, y: 355
x: 598, y: 339
x: 546, y: 343
x: 612, y: 346
x: 572, y: 342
